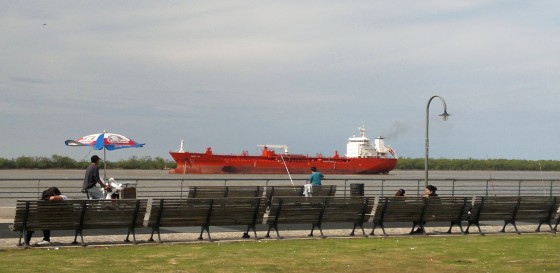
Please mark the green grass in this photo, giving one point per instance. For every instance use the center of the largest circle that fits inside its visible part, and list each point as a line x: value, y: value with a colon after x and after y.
x: 471, y: 253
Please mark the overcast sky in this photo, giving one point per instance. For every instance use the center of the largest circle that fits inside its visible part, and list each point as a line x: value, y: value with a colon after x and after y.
x: 235, y: 74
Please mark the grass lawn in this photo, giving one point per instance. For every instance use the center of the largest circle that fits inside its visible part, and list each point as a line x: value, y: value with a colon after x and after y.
x: 470, y: 253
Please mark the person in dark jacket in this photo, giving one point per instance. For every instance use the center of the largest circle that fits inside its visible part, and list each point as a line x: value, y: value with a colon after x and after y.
x: 400, y: 192
x: 50, y: 194
x: 92, y: 178
x: 429, y: 192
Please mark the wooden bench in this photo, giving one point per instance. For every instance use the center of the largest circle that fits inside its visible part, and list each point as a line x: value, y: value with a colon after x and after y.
x: 511, y: 209
x: 420, y: 210
x: 79, y: 215
x: 318, y: 210
x: 206, y: 212
x: 536, y: 208
x: 224, y: 191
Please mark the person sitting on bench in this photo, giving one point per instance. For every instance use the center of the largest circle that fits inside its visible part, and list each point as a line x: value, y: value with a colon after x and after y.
x: 50, y: 194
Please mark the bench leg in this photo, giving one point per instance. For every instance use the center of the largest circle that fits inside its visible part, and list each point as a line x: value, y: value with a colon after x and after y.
x: 20, y: 236
x: 541, y: 222
x: 275, y: 228
x: 312, y: 229
x: 268, y: 232
x: 246, y: 234
x: 155, y: 229
x: 512, y: 222
x: 538, y: 229
x: 515, y: 227
x: 202, y: 229
x: 361, y: 226
x: 553, y: 230
x: 78, y: 232
x: 469, y: 223
x: 26, y: 238
x: 318, y: 226
x: 477, y: 225
x: 130, y: 230
x: 378, y: 225
x: 413, y: 226
x: 420, y: 225
x: 504, y: 227
x: 458, y: 223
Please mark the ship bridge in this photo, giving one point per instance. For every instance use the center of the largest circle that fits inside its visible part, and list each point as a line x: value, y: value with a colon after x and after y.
x: 361, y: 146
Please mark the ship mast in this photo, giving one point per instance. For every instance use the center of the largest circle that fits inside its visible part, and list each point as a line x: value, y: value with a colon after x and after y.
x: 363, y: 130
x: 181, y: 150
x: 285, y: 147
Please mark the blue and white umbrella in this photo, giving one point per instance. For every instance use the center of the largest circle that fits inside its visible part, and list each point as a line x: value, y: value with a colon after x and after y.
x: 105, y: 141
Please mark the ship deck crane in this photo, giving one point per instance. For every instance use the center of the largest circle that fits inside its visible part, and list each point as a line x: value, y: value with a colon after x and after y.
x: 276, y: 146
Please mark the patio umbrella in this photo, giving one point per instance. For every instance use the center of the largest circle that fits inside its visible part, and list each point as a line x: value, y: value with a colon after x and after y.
x: 105, y: 141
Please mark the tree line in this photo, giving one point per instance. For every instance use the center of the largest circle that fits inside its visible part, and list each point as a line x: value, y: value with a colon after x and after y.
x: 479, y: 164
x: 64, y: 162
x: 149, y: 163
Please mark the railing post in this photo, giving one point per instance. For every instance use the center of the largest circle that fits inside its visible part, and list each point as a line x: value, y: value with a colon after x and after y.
x: 136, y: 186
x: 453, y: 187
x: 182, y: 187
x: 39, y: 189
x: 487, y: 182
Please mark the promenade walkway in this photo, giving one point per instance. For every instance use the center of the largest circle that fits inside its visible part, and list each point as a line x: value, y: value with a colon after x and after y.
x: 103, y: 238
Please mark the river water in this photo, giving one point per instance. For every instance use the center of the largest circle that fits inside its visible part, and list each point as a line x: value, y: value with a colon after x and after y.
x: 397, y: 174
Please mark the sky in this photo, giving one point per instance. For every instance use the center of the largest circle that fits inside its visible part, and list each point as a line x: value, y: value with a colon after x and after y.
x: 235, y: 74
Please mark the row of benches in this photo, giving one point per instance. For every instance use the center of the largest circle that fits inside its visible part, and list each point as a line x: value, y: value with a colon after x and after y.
x: 79, y: 215
x: 257, y: 191
x: 91, y: 214
x: 472, y: 210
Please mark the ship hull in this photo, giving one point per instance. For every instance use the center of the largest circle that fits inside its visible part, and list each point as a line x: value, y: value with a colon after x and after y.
x: 200, y: 163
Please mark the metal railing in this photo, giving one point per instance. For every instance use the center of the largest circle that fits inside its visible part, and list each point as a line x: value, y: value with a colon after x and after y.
x: 13, y: 189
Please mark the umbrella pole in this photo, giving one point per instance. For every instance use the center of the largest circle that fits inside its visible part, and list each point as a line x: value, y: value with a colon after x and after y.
x: 104, y: 164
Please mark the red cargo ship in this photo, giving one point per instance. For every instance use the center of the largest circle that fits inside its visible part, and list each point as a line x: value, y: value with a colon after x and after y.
x: 362, y: 157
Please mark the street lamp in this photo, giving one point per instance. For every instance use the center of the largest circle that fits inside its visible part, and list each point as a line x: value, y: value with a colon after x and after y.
x: 445, y: 116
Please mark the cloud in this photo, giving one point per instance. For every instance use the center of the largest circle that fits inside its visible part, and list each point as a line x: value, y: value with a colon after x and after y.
x: 234, y: 74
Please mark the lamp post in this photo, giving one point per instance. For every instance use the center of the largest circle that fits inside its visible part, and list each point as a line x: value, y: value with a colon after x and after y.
x: 445, y: 116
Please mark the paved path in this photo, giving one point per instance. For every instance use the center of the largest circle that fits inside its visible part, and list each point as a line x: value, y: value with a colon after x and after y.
x: 97, y: 238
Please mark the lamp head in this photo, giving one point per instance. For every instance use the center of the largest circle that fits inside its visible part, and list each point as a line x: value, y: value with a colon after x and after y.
x: 445, y: 115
